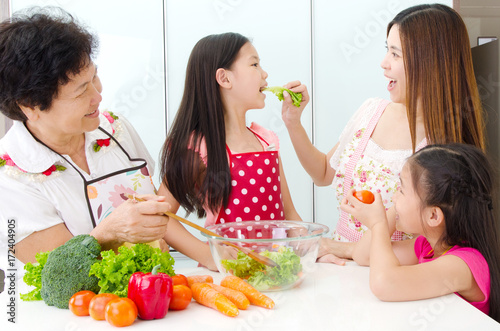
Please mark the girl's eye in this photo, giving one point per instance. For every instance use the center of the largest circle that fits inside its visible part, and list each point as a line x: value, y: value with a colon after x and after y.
x: 255, y: 65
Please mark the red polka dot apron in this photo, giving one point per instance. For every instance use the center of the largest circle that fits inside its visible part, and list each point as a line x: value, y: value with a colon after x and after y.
x: 256, y: 190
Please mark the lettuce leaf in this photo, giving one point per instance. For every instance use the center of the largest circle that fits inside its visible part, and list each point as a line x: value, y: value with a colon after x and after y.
x: 114, y: 270
x: 278, y: 91
x: 263, y: 277
x: 33, y: 277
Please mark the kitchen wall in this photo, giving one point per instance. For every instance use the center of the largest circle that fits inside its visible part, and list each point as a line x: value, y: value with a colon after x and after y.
x: 335, y: 47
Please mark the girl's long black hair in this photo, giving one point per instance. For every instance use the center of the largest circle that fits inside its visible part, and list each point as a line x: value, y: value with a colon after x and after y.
x: 459, y: 179
x: 201, y: 116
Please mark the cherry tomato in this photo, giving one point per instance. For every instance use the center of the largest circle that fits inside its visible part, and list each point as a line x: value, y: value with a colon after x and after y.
x: 179, y: 280
x: 98, y: 304
x: 364, y: 196
x: 120, y: 312
x: 181, y: 298
x: 79, y: 303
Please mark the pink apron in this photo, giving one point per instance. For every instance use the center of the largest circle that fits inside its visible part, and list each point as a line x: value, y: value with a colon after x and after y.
x: 105, y: 193
x: 343, y: 228
x: 256, y: 190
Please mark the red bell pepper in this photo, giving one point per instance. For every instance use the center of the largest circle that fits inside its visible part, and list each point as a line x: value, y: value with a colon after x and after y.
x: 151, y: 292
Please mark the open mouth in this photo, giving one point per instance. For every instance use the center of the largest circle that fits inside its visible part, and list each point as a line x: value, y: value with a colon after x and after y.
x: 92, y: 113
x: 392, y: 83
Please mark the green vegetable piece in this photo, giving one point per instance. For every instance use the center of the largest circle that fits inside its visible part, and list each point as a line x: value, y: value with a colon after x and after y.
x: 263, y: 277
x: 67, y: 270
x: 114, y: 270
x: 33, y: 277
x: 278, y: 91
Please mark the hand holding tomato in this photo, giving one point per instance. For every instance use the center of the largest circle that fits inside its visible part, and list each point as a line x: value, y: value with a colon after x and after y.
x: 367, y: 213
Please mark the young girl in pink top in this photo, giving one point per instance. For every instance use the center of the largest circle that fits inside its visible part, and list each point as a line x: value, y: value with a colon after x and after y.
x: 445, y: 199
x: 212, y: 163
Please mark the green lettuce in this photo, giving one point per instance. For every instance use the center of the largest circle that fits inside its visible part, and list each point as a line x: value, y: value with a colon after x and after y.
x: 114, y: 270
x: 278, y: 91
x: 263, y: 277
x: 33, y: 277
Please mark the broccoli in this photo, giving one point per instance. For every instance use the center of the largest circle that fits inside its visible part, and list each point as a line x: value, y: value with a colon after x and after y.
x: 67, y: 270
x: 278, y: 91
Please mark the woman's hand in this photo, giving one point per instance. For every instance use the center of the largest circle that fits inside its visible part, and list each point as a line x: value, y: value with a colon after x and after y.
x: 134, y: 222
x: 368, y: 214
x: 289, y: 112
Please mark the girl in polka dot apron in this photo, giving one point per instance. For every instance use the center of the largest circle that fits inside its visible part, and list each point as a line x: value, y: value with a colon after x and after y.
x: 196, y: 160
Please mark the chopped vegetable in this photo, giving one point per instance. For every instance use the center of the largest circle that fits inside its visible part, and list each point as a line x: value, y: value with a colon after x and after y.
x: 114, y: 270
x: 67, y: 270
x: 278, y: 91
x: 33, y: 277
x: 207, y: 296
x: 254, y: 296
x: 151, y: 293
x: 199, y: 279
x: 263, y: 277
x: 236, y: 297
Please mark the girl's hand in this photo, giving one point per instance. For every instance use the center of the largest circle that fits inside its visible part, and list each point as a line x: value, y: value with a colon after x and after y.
x: 368, y: 214
x: 289, y: 112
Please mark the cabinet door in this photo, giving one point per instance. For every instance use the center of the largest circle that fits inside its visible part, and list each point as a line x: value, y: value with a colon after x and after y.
x: 130, y: 59
x: 349, y: 45
x: 280, y: 31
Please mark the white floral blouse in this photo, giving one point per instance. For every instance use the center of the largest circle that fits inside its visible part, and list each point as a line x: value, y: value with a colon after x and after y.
x: 39, y: 189
x: 377, y: 170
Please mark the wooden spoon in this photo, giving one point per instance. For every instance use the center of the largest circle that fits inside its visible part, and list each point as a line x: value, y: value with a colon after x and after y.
x: 256, y: 256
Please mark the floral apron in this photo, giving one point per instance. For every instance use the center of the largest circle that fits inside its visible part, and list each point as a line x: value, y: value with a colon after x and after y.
x: 256, y: 190
x: 104, y: 194
x: 343, y: 228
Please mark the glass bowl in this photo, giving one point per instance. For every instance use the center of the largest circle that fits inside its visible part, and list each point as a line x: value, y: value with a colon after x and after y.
x: 293, y: 245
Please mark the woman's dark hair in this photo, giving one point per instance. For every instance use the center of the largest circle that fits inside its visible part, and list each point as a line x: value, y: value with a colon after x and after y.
x: 459, y: 179
x: 439, y: 75
x: 38, y: 50
x: 201, y: 117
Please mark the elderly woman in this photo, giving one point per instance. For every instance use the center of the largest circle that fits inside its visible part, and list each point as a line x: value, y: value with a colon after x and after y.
x: 66, y: 167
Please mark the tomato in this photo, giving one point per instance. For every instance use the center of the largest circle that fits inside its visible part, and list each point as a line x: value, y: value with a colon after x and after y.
x: 79, y: 303
x: 98, y: 304
x: 181, y: 298
x: 364, y: 196
x: 179, y: 280
x: 120, y: 312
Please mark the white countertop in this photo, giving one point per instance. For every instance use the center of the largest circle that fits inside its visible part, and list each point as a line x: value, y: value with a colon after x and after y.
x: 331, y: 297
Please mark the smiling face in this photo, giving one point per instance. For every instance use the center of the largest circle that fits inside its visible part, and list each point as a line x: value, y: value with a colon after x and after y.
x: 75, y: 108
x: 407, y: 205
x: 247, y: 79
x: 394, y: 69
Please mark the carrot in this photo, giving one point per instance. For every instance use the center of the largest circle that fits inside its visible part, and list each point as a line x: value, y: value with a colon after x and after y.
x: 199, y: 279
x: 204, y: 294
x: 236, y: 297
x: 255, y: 297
